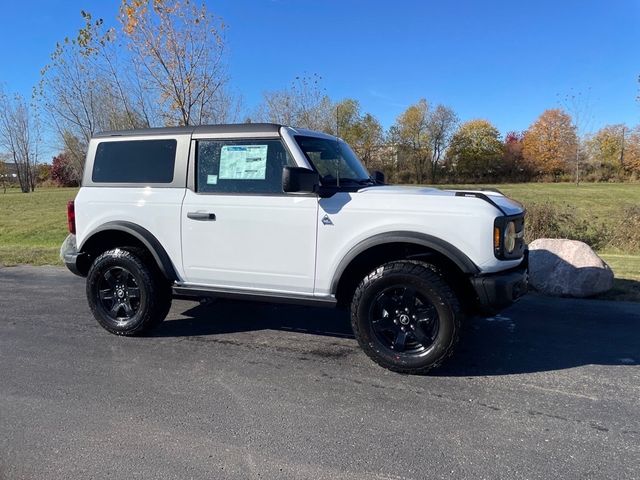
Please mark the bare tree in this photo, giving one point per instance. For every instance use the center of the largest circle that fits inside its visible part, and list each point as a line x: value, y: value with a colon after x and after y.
x: 180, y: 48
x: 303, y: 104
x: 163, y: 67
x: 19, y: 136
x: 84, y: 91
x: 578, y: 105
x: 441, y: 124
x: 4, y: 174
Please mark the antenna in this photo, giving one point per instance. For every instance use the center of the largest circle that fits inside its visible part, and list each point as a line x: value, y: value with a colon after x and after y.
x: 338, y: 145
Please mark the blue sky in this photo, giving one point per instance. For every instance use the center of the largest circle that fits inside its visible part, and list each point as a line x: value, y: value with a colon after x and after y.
x: 503, y: 61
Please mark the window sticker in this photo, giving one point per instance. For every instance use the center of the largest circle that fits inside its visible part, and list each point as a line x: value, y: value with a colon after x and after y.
x: 243, y: 162
x: 212, y: 179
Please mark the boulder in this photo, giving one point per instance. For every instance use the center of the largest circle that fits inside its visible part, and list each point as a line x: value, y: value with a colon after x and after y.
x: 567, y: 268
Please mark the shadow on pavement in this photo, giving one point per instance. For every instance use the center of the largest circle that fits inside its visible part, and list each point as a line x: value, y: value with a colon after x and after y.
x: 228, y: 316
x: 537, y: 334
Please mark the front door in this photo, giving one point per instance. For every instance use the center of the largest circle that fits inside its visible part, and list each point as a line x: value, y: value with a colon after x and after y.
x: 239, y: 230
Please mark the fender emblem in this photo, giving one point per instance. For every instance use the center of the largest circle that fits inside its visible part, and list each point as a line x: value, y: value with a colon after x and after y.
x: 326, y: 220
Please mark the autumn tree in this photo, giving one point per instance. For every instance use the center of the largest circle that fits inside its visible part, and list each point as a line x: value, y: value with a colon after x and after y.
x: 43, y: 173
x: 62, y: 170
x: 476, y: 152
x: 163, y: 65
x: 19, y: 137
x: 550, y: 143
x: 180, y: 49
x: 411, y: 136
x: 631, y: 153
x: 348, y: 118
x: 362, y: 132
x: 422, y: 135
x: 612, y: 151
x: 514, y: 166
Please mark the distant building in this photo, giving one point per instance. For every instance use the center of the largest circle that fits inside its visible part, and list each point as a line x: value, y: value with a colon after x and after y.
x: 11, y: 172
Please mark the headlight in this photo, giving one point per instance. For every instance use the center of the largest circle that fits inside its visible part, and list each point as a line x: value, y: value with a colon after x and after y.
x: 510, y: 237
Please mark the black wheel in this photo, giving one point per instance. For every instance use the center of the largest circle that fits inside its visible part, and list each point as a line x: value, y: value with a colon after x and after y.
x: 127, y: 295
x: 406, y: 317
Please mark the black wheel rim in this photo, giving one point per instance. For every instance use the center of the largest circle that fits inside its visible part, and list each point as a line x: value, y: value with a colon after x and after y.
x: 404, y: 320
x: 119, y: 294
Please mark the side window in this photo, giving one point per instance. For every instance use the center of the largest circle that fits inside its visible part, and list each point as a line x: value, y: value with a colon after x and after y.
x: 134, y: 161
x: 240, y: 166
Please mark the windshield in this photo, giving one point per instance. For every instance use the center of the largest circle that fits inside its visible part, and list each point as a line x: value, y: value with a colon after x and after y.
x: 334, y: 160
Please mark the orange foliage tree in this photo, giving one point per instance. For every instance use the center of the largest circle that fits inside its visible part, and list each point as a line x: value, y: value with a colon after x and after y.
x: 550, y: 143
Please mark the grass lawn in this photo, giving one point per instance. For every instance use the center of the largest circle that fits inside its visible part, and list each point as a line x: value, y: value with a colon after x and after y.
x: 597, y: 201
x: 33, y: 226
x: 627, y: 282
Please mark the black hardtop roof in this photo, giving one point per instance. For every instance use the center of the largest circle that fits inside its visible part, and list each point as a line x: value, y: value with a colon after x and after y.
x: 248, y: 128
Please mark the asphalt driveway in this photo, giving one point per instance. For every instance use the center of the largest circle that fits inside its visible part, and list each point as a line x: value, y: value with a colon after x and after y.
x: 549, y: 389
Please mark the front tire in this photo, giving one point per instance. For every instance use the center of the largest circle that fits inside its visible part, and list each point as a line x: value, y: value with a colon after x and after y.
x: 406, y: 317
x: 126, y: 294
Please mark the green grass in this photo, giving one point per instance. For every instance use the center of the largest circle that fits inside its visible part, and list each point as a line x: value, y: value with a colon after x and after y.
x: 596, y: 201
x: 627, y: 282
x: 33, y: 225
x: 625, y: 266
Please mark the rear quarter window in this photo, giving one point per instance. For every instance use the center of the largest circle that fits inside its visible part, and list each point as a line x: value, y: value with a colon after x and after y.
x: 135, y: 161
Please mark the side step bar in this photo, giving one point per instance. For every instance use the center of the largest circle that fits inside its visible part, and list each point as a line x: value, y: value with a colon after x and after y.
x: 199, y: 291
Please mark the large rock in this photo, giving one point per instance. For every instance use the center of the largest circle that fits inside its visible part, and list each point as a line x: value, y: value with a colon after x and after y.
x: 567, y: 268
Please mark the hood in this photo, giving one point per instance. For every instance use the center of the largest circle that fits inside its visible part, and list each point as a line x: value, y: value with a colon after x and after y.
x: 503, y: 203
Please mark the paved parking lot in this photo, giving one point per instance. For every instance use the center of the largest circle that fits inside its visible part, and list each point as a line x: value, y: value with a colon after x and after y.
x: 549, y: 389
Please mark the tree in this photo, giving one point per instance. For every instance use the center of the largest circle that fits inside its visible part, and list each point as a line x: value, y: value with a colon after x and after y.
x: 164, y: 66
x: 371, y: 140
x: 303, y: 104
x: 514, y: 166
x: 362, y: 132
x: 87, y: 88
x: 4, y: 175
x: 476, y: 151
x: 422, y: 136
x: 441, y: 124
x: 579, y: 107
x: 550, y: 143
x: 411, y: 136
x: 19, y: 136
x: 180, y: 48
x: 43, y: 173
x: 62, y: 170
x: 613, y: 151
x: 631, y: 152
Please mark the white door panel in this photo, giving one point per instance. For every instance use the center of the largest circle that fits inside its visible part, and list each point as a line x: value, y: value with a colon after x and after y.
x: 256, y: 242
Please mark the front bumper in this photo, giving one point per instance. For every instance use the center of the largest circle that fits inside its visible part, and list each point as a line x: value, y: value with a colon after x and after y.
x: 499, y: 290
x: 71, y: 257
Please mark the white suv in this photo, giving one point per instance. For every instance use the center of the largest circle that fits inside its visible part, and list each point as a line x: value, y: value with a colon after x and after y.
x: 274, y: 213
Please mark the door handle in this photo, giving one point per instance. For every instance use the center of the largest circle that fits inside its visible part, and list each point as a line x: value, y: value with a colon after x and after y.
x: 201, y: 216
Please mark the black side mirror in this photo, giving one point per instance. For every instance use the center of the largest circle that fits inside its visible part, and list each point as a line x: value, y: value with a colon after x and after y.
x: 378, y: 177
x: 299, y: 179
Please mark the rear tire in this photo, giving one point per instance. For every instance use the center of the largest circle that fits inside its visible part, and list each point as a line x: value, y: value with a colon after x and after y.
x: 406, y: 317
x: 126, y: 294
